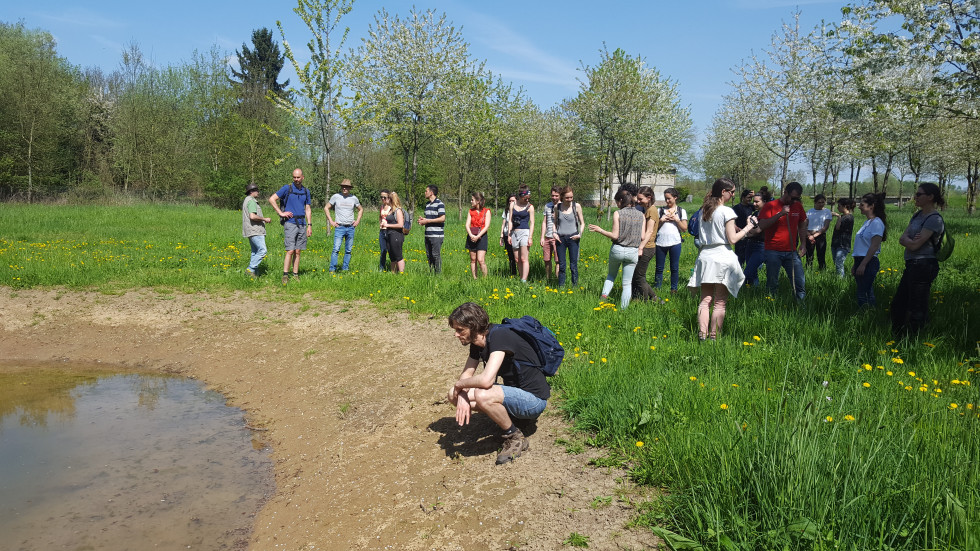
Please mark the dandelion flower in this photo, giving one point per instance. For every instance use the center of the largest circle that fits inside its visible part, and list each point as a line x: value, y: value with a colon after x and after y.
x: 757, y: 338
x: 866, y: 384
x: 639, y: 443
x: 724, y: 406
x: 848, y: 417
x: 867, y: 367
x: 911, y: 373
x: 953, y: 405
x: 693, y: 378
x: 889, y: 373
x: 829, y: 419
x: 897, y: 360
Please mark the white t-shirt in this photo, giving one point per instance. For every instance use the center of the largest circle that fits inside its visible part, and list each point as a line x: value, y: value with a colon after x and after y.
x: 713, y: 232
x: 862, y: 241
x: 815, y: 219
x: 668, y: 234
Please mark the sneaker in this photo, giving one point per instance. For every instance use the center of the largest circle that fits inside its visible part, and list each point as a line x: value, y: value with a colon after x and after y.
x: 251, y: 273
x: 295, y: 277
x: 514, y: 444
x: 285, y: 279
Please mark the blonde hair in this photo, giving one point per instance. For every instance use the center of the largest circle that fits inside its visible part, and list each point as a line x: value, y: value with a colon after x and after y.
x: 394, y: 201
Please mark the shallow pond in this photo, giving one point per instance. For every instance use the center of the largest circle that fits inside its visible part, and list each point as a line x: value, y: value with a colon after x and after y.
x: 106, y: 460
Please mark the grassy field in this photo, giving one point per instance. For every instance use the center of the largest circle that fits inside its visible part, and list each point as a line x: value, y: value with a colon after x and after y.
x: 801, y: 428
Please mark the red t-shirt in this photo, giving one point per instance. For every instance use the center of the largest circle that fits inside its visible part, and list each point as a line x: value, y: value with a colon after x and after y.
x: 782, y: 236
x: 477, y: 218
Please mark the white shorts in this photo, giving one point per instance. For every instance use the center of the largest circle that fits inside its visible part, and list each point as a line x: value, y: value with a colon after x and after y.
x: 520, y: 238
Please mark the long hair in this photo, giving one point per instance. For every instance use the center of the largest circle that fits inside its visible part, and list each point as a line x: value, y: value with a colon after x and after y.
x: 937, y: 194
x: 877, y: 202
x: 394, y: 201
x: 847, y: 203
x: 713, y: 199
x: 647, y: 192
x: 480, y: 199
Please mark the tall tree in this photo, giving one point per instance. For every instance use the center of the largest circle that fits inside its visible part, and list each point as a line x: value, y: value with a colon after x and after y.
x: 259, y: 66
x: 405, y: 74
x: 321, y: 108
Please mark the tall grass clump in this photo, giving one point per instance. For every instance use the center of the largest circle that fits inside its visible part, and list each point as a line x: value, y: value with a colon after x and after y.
x: 804, y: 427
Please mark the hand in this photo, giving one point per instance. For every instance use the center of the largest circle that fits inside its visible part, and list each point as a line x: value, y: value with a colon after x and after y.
x: 577, y: 236
x: 309, y: 230
x: 835, y: 214
x: 754, y: 221
x: 356, y: 222
x: 801, y: 251
x: 593, y: 227
x: 542, y: 242
x: 463, y: 411
x: 333, y: 223
x: 859, y: 270
x: 267, y: 220
x: 287, y: 214
x: 509, y: 241
x: 811, y: 238
x: 421, y: 221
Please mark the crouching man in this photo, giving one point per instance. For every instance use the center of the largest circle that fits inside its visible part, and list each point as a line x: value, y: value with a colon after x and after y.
x: 505, y: 354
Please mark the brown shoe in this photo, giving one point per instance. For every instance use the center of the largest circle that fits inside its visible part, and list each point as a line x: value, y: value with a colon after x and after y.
x: 285, y: 279
x: 514, y: 445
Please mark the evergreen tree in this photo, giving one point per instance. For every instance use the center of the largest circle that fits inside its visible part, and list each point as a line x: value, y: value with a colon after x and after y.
x: 260, y: 66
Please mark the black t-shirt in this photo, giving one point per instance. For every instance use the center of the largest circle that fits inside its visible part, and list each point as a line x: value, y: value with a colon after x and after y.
x: 529, y: 378
x: 742, y: 213
x: 842, y: 235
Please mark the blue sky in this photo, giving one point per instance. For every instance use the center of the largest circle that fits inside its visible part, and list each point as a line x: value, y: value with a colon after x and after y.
x: 536, y: 44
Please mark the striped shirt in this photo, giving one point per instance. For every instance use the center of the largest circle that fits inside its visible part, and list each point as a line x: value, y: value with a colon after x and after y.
x: 435, y: 209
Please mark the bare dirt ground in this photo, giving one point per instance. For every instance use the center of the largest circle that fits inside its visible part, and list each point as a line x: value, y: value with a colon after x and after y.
x: 351, y: 400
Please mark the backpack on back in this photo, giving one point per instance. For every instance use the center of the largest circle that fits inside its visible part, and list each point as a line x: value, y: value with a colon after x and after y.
x: 541, y: 339
x: 406, y: 223
x: 943, y: 243
x: 694, y: 225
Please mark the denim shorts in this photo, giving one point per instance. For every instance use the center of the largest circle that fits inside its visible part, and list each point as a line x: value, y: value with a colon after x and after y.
x: 521, y: 404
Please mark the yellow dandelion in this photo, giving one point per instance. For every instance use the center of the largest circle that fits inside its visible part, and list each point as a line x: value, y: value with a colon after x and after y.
x: 757, y: 338
x: 866, y: 384
x: 734, y: 385
x: 953, y: 405
x: 639, y: 443
x: 693, y: 378
x: 911, y: 373
x: 897, y: 360
x: 848, y: 417
x: 867, y: 367
x: 829, y: 419
x: 724, y: 406
x: 603, y: 360
x: 653, y: 348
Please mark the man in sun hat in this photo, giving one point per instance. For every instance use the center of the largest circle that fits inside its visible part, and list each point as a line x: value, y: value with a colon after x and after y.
x: 253, y: 227
x: 295, y: 221
x: 343, y: 204
x: 521, y: 397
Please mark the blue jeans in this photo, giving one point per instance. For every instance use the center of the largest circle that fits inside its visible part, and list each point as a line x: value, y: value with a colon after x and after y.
x: 675, y: 263
x: 521, y: 404
x: 840, y: 256
x: 566, y: 243
x: 755, y: 255
x: 789, y: 261
x: 627, y: 258
x: 383, y: 243
x: 341, y: 234
x: 866, y: 283
x: 257, y: 243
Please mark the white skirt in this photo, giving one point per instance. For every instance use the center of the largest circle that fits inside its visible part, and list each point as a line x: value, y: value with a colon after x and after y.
x: 718, y: 265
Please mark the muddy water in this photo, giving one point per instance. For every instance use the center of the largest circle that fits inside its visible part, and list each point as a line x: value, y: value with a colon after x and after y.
x: 98, y: 460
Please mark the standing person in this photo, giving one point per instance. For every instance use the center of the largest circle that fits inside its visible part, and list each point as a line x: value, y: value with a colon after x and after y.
x: 525, y: 390
x: 717, y: 271
x: 743, y: 210
x: 840, y: 243
x: 568, y: 228
x: 477, y: 226
x: 393, y: 224
x: 784, y: 222
x: 910, y: 306
x: 755, y: 245
x: 817, y: 223
x: 520, y: 220
x: 253, y: 228
x: 434, y: 220
x: 343, y: 204
x: 505, y: 233
x: 548, y: 241
x: 867, y: 245
x: 648, y: 245
x: 626, y: 236
x: 673, y: 223
x: 296, y: 227
x: 382, y: 233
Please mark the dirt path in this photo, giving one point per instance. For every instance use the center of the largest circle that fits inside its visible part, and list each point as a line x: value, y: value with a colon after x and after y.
x: 367, y: 454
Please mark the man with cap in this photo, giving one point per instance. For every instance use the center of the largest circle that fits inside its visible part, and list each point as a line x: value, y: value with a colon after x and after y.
x: 253, y: 227
x: 296, y: 227
x: 343, y: 204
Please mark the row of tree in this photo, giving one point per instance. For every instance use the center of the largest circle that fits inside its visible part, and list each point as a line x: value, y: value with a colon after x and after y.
x: 406, y: 107
x: 893, y: 86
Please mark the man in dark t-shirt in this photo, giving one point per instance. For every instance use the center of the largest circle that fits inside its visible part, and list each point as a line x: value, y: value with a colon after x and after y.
x: 525, y: 391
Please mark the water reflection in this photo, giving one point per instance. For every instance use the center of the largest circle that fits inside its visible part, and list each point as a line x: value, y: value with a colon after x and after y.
x: 124, y: 461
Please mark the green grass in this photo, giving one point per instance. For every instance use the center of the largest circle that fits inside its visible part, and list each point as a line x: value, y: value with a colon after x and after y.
x: 754, y: 451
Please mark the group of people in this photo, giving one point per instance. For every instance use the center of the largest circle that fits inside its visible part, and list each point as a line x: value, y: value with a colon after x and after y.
x: 756, y: 229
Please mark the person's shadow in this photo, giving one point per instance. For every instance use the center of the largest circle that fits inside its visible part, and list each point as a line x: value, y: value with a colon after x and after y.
x: 480, y: 437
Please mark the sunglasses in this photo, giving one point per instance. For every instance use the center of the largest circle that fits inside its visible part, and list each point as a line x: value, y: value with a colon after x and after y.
x: 920, y: 193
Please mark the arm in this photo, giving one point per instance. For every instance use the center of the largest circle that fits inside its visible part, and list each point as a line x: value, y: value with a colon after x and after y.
x: 649, y: 227
x: 872, y: 248
x: 800, y: 233
x: 274, y: 201
x: 581, y: 219
x: 469, y: 221
x: 326, y: 210
x: 614, y: 234
x: 767, y: 222
x: 734, y: 234
x: 309, y: 220
x: 913, y: 244
x: 486, y: 224
x: 461, y: 399
x: 544, y: 223
x: 486, y: 378
x: 681, y: 224
x: 530, y: 220
x: 360, y: 212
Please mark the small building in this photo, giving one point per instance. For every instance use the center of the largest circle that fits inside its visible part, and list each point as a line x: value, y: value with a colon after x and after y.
x: 659, y: 183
